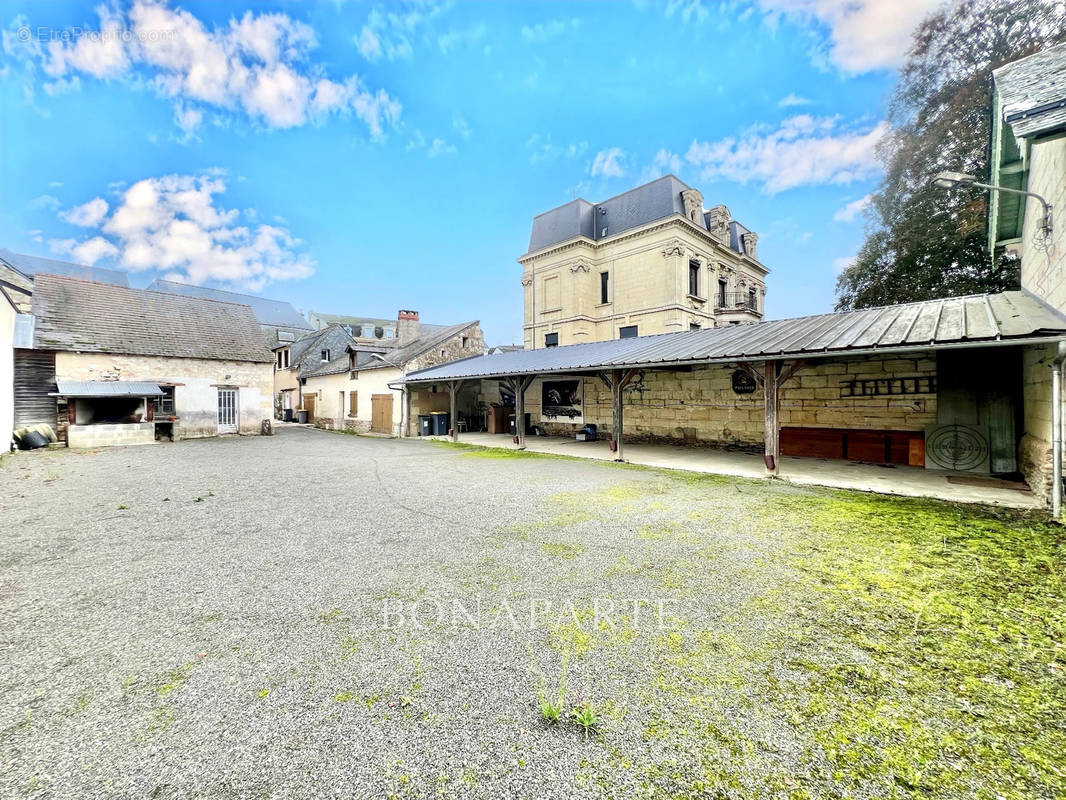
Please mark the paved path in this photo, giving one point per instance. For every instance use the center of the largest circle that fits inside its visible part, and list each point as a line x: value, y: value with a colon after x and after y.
x: 898, y: 480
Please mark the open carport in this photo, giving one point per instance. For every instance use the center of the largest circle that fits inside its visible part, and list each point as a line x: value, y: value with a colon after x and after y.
x: 961, y: 384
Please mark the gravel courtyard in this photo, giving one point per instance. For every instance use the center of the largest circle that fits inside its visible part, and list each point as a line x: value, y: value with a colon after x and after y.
x: 319, y: 615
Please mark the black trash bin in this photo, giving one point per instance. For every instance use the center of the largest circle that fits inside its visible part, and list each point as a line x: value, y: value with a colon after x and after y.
x: 440, y: 423
x: 286, y: 415
x: 425, y: 425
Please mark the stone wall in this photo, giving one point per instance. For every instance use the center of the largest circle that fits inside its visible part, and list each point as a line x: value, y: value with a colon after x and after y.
x: 451, y: 349
x: 1035, y: 452
x: 196, y: 383
x: 701, y: 406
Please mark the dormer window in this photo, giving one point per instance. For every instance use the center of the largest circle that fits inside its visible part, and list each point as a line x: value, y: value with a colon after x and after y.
x: 325, y: 355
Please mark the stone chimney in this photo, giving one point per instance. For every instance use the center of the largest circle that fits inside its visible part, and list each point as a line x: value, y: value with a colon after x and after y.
x: 748, y: 241
x: 406, y: 326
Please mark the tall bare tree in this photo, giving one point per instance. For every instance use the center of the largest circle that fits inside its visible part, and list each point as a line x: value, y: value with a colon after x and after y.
x: 924, y: 242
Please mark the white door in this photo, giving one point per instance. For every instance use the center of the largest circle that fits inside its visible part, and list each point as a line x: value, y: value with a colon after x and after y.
x: 227, y: 410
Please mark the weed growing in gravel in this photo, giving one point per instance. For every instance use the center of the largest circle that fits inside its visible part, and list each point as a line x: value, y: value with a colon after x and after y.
x: 552, y: 704
x: 344, y: 697
x: 173, y: 680
x: 586, y: 718
x: 122, y: 507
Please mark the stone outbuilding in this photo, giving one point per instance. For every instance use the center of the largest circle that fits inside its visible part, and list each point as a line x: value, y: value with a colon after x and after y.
x: 125, y: 366
x: 356, y: 390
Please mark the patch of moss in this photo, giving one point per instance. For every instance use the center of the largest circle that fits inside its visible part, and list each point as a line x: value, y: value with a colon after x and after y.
x: 564, y: 550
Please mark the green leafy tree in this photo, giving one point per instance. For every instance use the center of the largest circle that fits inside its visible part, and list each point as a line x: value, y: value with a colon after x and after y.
x: 923, y: 241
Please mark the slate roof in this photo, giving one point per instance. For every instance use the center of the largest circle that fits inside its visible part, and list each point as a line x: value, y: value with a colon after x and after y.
x: 35, y: 265
x: 107, y: 389
x: 306, y: 354
x: 1006, y: 318
x: 1032, y: 92
x: 83, y: 316
x: 276, y: 313
x: 426, y: 341
x: 641, y: 205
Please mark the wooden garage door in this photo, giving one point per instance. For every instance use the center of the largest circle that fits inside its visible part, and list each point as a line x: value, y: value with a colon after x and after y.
x: 381, y: 413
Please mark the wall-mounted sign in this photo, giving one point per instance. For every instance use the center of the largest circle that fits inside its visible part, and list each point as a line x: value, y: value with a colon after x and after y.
x: 560, y: 401
x: 743, y: 383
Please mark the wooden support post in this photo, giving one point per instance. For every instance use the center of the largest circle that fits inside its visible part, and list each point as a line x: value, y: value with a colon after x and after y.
x: 453, y: 390
x: 770, y: 424
x: 521, y: 383
x: 616, y: 397
x: 405, y: 429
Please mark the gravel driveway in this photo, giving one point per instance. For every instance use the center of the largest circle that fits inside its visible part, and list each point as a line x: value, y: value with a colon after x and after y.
x: 320, y: 615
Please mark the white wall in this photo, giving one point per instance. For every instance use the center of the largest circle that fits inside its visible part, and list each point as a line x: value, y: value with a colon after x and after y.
x: 7, y: 373
x: 1044, y: 265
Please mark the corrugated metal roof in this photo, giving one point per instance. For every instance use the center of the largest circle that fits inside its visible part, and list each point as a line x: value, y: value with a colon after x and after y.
x: 107, y: 389
x: 1032, y: 92
x: 1005, y: 317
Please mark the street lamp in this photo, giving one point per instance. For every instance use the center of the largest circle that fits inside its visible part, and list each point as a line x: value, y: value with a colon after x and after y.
x: 949, y: 180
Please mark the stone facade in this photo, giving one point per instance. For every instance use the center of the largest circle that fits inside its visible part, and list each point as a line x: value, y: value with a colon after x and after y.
x: 701, y: 406
x: 196, y: 383
x: 332, y: 392
x: 648, y: 283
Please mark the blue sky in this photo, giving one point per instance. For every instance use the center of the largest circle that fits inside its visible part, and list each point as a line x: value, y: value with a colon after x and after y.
x: 363, y: 157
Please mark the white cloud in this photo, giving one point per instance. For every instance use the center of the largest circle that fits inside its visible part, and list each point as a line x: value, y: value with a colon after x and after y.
x: 258, y: 67
x: 459, y: 38
x: 461, y: 127
x: 543, y: 150
x: 791, y: 100
x: 665, y: 162
x: 543, y: 31
x: 863, y: 34
x: 609, y: 163
x: 45, y: 201
x: 174, y: 225
x: 803, y: 151
x: 850, y: 211
x: 439, y: 147
x: 391, y: 29
x: 87, y: 215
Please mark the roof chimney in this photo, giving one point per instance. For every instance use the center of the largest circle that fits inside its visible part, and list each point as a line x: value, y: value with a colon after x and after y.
x: 406, y: 326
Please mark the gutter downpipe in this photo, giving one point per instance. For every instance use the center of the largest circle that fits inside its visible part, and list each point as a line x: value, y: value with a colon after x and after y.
x: 1056, y: 431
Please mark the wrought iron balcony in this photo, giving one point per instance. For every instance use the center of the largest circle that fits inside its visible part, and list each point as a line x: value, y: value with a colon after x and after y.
x: 736, y: 301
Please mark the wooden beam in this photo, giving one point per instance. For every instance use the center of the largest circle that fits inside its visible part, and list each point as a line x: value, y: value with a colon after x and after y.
x: 616, y: 398
x: 521, y: 384
x: 792, y: 369
x: 756, y: 376
x: 453, y: 390
x: 771, y: 430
